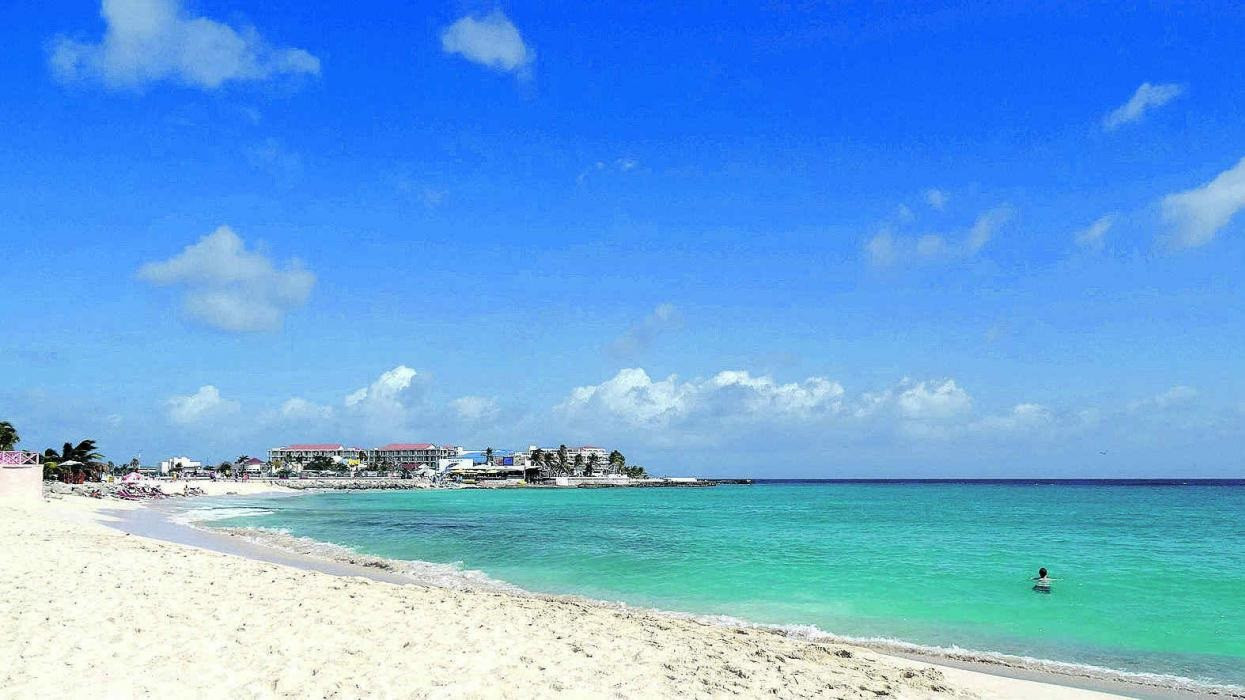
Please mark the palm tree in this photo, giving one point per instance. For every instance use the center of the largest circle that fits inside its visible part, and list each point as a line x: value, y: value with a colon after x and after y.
x: 594, y: 459
x: 579, y: 463
x: 488, y: 455
x: 537, y: 457
x: 617, y: 461
x: 83, y: 452
x: 551, y: 460
x: 563, y: 459
x: 8, y: 436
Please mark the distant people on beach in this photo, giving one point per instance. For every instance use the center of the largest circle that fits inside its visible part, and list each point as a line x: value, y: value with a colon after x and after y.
x: 1041, y: 583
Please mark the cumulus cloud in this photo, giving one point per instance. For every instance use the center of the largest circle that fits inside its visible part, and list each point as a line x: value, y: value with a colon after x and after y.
x: 386, y: 393
x: 475, y: 408
x: 204, y: 405
x: 1197, y: 215
x: 1094, y: 235
x: 491, y: 41
x: 386, y: 405
x: 229, y: 287
x: 1147, y: 98
x: 936, y: 198
x: 148, y: 41
x: 663, y: 319
x: 933, y: 400
x: 635, y: 399
x: 298, y: 409
x: 887, y: 248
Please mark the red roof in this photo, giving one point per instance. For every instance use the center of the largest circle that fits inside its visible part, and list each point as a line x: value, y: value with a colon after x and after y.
x: 318, y: 446
x: 408, y: 446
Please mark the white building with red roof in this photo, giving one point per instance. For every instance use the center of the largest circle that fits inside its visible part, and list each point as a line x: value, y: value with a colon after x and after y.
x: 294, y: 456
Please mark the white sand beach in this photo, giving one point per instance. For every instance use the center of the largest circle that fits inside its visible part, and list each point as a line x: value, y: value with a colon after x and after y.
x: 90, y: 611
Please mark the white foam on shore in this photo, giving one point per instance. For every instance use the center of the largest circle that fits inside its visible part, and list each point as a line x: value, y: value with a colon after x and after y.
x: 425, y: 573
x: 455, y: 576
x: 202, y: 515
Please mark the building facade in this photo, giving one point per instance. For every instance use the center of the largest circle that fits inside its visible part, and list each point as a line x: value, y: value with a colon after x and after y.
x: 409, y: 454
x: 296, y: 456
x: 182, y: 463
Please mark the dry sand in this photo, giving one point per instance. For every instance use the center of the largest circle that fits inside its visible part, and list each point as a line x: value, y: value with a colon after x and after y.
x: 89, y: 611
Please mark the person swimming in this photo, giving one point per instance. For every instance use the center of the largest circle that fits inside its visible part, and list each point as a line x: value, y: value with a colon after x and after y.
x: 1041, y: 583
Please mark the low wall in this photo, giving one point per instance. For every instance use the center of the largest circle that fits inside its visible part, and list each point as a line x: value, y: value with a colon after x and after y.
x: 21, y: 483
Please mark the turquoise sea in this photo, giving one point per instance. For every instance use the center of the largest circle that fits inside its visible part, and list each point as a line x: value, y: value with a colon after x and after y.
x: 1150, y: 579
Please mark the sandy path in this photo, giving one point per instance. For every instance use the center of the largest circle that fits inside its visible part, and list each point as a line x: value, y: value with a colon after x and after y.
x: 92, y: 612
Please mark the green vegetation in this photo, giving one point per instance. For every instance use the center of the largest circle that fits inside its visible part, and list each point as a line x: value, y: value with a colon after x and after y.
x: 89, y: 462
x: 635, y: 472
x: 319, y: 464
x: 8, y: 437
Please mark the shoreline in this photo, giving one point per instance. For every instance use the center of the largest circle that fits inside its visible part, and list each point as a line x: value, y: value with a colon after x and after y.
x: 977, y: 678
x: 316, y: 554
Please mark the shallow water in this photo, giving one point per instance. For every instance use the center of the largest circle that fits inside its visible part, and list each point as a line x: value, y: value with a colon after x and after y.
x: 1148, y: 579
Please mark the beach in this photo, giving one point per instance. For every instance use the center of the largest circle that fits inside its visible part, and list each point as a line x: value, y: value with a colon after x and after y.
x: 93, y: 610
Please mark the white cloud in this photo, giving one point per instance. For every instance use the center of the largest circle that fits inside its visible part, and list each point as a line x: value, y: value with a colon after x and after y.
x: 888, y: 248
x: 148, y: 41
x: 302, y: 410
x: 491, y: 41
x: 1198, y: 214
x: 386, y: 391
x: 664, y: 318
x: 475, y: 408
x: 622, y: 165
x: 933, y: 401
x: 1022, y: 417
x: 1178, y: 395
x: 936, y: 198
x: 985, y: 227
x: 204, y: 405
x: 1093, y: 236
x: 633, y: 398
x: 881, y: 248
x: 230, y: 287
x: 1148, y: 97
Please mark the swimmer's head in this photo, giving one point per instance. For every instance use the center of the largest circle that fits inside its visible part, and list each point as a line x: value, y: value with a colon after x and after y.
x: 1042, y: 572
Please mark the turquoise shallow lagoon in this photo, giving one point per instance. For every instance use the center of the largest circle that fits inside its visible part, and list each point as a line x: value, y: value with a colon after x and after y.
x: 1150, y: 579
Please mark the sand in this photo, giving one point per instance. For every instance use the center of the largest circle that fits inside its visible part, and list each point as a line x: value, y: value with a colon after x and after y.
x: 90, y: 611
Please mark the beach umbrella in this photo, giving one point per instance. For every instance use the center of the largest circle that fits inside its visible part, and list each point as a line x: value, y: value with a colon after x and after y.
x: 131, y: 478
x: 71, y: 463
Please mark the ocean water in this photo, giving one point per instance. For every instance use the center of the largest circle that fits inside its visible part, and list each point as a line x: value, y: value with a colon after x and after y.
x: 1148, y: 579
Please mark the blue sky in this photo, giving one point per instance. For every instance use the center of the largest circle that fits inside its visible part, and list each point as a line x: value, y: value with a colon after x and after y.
x: 781, y: 239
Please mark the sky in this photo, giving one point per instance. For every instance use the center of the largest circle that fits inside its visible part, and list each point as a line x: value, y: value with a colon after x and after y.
x: 782, y: 239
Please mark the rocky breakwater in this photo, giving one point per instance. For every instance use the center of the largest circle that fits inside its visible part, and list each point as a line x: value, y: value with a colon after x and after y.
x: 355, y: 484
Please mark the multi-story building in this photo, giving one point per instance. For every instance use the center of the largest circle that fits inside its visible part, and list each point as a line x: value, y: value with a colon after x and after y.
x: 295, y: 456
x: 586, y: 451
x: 176, y: 464
x: 410, y: 454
